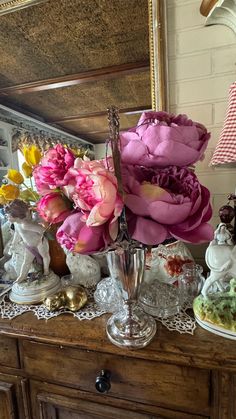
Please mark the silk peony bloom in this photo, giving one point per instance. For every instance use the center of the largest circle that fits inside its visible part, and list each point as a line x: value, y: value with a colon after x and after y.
x: 161, y: 139
x: 54, y: 208
x: 77, y: 237
x: 93, y: 189
x: 165, y: 203
x: 50, y: 174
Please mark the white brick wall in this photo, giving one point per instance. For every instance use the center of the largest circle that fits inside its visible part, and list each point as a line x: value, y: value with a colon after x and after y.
x: 201, y: 89
x: 202, y: 63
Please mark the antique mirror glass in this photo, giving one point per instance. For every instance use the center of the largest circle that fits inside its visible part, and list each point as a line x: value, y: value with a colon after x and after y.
x: 66, y: 61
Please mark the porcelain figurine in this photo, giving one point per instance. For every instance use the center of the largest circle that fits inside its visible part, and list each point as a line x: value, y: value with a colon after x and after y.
x: 84, y: 269
x: 221, y: 260
x: 218, y: 312
x: 13, y: 257
x: 71, y: 298
x: 35, y: 244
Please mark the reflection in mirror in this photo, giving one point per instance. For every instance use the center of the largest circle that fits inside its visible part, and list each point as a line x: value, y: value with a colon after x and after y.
x: 65, y: 62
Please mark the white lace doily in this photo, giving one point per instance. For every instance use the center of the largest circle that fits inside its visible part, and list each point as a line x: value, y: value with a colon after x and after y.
x: 9, y: 310
x: 182, y: 322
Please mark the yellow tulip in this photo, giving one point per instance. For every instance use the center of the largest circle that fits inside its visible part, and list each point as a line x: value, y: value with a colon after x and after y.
x: 3, y: 201
x: 27, y: 170
x: 32, y: 155
x: 9, y: 192
x: 15, y: 176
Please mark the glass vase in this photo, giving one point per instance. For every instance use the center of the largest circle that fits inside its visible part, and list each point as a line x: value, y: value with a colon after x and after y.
x: 191, y: 281
x: 130, y: 327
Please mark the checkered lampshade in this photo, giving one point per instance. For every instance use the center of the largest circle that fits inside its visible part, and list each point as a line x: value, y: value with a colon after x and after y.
x: 225, y: 151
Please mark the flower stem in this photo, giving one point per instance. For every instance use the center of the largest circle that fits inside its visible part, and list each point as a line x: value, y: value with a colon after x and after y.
x: 30, y: 190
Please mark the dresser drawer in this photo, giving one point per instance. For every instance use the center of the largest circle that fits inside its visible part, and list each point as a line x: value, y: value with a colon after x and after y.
x: 131, y: 379
x: 9, y: 352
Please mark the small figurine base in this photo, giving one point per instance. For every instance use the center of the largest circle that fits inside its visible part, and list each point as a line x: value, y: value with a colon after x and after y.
x: 217, y: 312
x: 35, y: 289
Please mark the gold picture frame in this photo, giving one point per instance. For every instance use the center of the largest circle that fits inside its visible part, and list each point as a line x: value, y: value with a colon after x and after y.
x: 158, y: 54
x: 10, y: 6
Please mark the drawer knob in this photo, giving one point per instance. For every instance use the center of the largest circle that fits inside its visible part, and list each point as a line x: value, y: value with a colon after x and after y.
x: 103, y: 384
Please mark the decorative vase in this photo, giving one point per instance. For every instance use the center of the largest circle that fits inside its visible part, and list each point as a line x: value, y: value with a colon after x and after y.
x: 191, y: 281
x: 57, y: 258
x: 129, y: 327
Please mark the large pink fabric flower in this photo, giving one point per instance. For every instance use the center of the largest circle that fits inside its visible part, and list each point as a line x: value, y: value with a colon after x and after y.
x: 77, y: 237
x: 166, y: 203
x: 161, y: 139
x: 54, y: 208
x: 50, y: 174
x: 93, y: 189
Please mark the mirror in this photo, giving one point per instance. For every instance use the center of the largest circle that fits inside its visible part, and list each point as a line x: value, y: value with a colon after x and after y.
x: 64, y: 62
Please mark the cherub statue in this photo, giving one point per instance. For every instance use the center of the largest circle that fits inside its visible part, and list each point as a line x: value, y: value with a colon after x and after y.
x: 32, y: 235
x: 221, y: 259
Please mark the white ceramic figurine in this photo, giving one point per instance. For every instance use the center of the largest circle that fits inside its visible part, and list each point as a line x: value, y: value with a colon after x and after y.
x: 221, y: 259
x: 32, y: 236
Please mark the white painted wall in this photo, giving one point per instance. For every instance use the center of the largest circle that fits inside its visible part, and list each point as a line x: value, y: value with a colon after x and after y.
x: 202, y: 65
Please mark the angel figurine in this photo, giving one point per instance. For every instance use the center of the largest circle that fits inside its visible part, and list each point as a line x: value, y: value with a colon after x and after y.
x: 32, y: 235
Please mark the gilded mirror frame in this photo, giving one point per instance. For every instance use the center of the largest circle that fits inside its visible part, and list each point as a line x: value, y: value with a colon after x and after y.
x: 158, y: 54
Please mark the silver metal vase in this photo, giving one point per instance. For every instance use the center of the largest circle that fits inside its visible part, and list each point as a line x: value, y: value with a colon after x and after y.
x: 130, y: 327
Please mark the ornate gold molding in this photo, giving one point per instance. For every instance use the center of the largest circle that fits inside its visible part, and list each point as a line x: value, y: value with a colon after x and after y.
x: 13, y: 5
x: 158, y: 54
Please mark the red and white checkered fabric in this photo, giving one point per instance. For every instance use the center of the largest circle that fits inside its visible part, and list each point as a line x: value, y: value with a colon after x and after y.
x: 225, y: 151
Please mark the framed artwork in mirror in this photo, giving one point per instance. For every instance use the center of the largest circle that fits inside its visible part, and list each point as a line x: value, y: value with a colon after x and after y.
x: 8, y: 6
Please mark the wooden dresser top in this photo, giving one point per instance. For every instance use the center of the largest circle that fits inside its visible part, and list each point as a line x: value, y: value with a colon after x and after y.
x: 203, y: 349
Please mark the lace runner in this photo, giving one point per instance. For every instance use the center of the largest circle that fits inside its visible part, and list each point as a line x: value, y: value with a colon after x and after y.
x: 182, y: 322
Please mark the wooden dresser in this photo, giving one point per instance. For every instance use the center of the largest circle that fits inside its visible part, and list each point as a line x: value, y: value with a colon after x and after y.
x: 49, y: 369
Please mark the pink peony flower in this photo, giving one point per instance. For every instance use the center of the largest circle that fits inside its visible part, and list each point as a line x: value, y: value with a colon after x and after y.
x: 50, y: 174
x: 54, y: 208
x: 166, y: 203
x: 77, y: 237
x: 161, y: 139
x: 93, y: 189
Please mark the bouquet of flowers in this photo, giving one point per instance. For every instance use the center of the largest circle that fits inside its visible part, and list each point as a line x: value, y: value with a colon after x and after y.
x: 154, y: 186
x: 15, y: 185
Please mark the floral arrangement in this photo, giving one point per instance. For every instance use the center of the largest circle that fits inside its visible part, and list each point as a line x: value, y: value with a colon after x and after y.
x: 161, y: 196
x: 15, y: 185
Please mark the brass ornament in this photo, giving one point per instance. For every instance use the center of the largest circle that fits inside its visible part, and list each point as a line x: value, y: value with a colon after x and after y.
x: 71, y: 298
